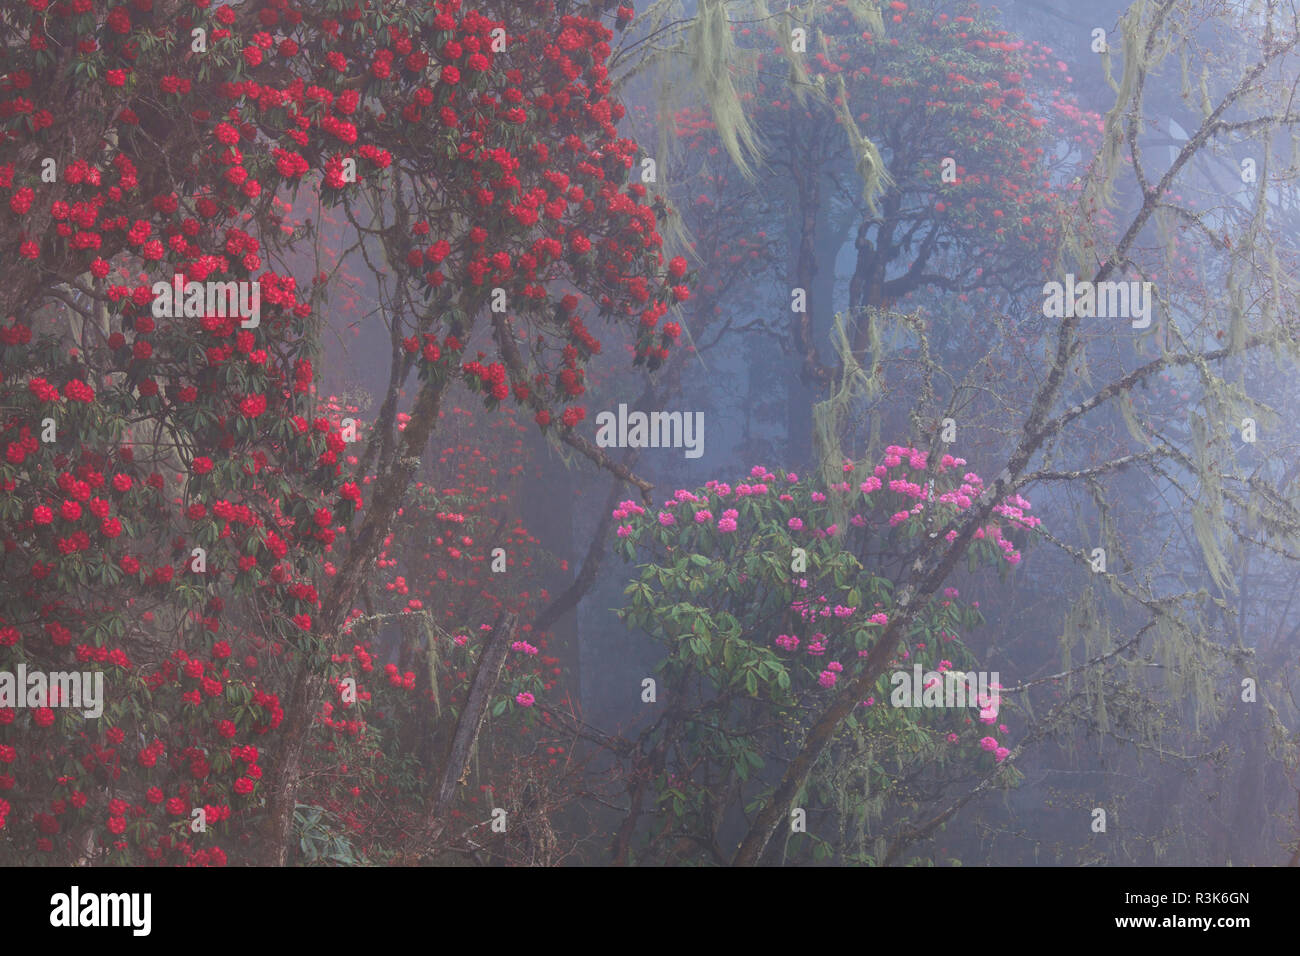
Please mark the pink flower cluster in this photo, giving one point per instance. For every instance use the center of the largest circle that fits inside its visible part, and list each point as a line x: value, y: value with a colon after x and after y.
x: 994, y: 533
x: 809, y: 612
x: 624, y: 510
x: 971, y: 488
x: 991, y: 745
x: 1014, y: 508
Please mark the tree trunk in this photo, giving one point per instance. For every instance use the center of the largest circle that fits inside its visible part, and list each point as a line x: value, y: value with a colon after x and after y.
x: 308, y: 688
x: 486, y: 677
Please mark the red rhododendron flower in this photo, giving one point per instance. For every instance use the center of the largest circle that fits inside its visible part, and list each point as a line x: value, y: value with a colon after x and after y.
x: 79, y: 391
x: 253, y: 405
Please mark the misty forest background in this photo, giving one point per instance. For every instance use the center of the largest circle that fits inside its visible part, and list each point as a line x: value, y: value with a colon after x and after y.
x: 1189, y: 777
x: 804, y: 149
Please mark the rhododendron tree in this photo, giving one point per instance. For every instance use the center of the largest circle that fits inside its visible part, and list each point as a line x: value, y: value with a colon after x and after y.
x: 953, y: 122
x: 513, y: 214
x: 765, y: 595
x: 136, y: 404
x: 270, y: 98
x: 906, y: 137
x: 377, y: 743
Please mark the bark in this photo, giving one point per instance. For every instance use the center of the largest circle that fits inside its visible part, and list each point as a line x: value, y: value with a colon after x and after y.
x: 486, y: 677
x: 308, y: 688
x: 646, y: 767
x: 805, y: 271
x: 568, y: 599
